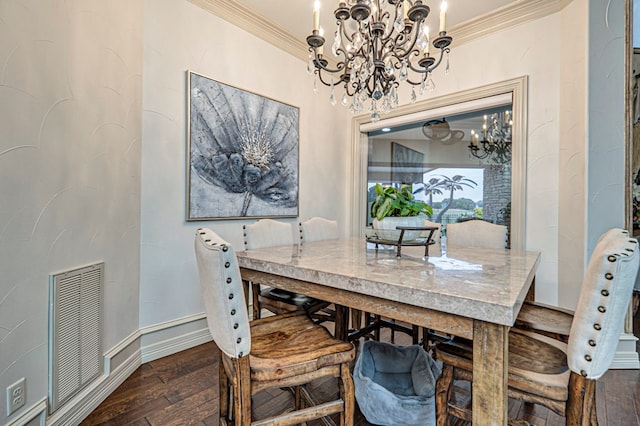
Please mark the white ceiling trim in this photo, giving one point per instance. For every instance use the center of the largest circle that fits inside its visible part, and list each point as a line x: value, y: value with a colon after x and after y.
x: 513, y: 14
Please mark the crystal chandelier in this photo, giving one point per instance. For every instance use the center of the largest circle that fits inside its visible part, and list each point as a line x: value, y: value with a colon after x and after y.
x: 495, y: 145
x: 378, y: 45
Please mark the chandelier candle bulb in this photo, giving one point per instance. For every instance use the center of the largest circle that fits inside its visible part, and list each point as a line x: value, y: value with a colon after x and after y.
x: 321, y: 48
x: 443, y: 16
x: 316, y: 15
x: 426, y: 34
x: 405, y: 9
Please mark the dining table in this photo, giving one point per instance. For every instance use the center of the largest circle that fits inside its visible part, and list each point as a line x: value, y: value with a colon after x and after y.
x: 473, y: 293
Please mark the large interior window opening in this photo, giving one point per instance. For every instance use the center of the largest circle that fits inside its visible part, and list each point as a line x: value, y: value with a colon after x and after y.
x: 459, y: 164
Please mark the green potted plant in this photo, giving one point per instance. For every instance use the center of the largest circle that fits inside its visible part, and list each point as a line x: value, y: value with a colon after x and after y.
x: 393, y: 207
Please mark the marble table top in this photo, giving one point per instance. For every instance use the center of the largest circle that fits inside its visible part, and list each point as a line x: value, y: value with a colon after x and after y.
x: 484, y: 284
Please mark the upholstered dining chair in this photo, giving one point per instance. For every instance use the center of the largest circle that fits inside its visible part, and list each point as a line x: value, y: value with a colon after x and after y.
x: 272, y: 233
x: 546, y: 371
x: 476, y: 233
x: 281, y: 351
x: 318, y: 229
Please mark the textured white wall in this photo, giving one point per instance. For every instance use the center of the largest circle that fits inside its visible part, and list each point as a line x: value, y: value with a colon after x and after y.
x: 531, y: 49
x: 573, y: 145
x: 70, y: 130
x: 605, y: 158
x: 181, y: 36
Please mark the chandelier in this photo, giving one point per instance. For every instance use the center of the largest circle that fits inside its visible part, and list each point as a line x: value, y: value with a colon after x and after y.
x: 378, y: 45
x: 495, y: 145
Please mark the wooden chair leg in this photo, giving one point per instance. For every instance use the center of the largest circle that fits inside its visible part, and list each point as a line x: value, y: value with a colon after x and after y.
x: 444, y: 386
x: 581, y: 401
x: 223, y: 394
x: 242, y: 400
x: 347, y: 393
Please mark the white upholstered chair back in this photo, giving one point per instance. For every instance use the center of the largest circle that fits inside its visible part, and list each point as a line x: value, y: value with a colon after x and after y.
x: 604, y: 298
x: 476, y: 233
x: 267, y: 233
x: 223, y: 293
x: 318, y: 229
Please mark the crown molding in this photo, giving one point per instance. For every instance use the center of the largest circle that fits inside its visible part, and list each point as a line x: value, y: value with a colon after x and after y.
x: 510, y: 15
x: 247, y: 19
x: 516, y: 13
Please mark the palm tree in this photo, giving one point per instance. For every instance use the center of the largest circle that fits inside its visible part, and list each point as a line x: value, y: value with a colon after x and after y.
x: 453, y: 184
x: 430, y: 188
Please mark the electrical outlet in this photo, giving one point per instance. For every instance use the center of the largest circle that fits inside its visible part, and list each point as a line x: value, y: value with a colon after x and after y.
x: 16, y: 395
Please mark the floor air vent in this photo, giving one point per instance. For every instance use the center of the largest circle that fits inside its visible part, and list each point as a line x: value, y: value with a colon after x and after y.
x: 75, y: 332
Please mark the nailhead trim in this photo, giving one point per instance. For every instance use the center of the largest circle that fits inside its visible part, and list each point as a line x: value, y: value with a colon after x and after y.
x: 608, y: 276
x: 597, y: 327
x: 230, y: 296
x: 239, y: 340
x: 229, y: 280
x: 612, y: 258
x: 225, y: 248
x: 586, y: 357
x: 605, y: 292
x: 235, y: 326
x: 233, y: 312
x: 592, y: 342
x: 583, y: 373
x: 602, y: 309
x: 227, y: 264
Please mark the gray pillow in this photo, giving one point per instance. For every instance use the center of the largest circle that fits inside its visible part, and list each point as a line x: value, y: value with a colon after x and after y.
x: 395, y: 385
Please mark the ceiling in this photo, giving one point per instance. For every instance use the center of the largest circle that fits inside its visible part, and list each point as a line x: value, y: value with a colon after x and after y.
x: 295, y: 16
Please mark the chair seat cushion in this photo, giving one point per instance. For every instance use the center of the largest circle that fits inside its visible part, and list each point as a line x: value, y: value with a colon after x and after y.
x: 291, y: 344
x: 537, y: 364
x: 395, y: 385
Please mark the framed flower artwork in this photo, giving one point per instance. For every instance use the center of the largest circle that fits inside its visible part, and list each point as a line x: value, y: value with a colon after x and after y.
x: 242, y: 153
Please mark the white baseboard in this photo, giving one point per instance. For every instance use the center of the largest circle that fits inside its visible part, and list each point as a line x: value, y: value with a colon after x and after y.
x: 36, y: 415
x: 120, y: 362
x: 80, y: 406
x: 626, y: 357
x: 174, y: 336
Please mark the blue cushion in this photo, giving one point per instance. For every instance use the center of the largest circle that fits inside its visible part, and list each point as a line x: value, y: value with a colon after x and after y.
x: 395, y: 385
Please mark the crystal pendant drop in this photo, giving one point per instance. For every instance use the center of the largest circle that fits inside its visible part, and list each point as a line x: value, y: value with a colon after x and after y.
x: 394, y: 97
x: 386, y: 105
x: 315, y: 85
x: 413, y: 95
x: 404, y: 72
x: 344, y: 101
x: 374, y: 111
x: 378, y: 92
x: 447, y: 67
x: 310, y: 65
x: 336, y: 44
x: 388, y: 67
x: 398, y: 24
x: 352, y: 107
x: 429, y: 85
x: 332, y: 96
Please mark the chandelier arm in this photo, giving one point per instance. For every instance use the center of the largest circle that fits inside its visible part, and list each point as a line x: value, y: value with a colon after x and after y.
x: 437, y: 63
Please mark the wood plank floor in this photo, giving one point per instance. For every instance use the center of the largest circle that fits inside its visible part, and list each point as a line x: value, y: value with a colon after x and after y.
x: 182, y: 389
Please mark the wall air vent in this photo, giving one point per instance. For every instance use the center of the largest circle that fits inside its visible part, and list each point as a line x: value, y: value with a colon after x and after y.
x: 75, y: 332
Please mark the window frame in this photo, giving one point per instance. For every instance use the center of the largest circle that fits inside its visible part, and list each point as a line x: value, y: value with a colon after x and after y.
x: 517, y: 87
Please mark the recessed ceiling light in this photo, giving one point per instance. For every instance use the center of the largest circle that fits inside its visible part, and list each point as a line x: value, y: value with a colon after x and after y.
x: 386, y: 129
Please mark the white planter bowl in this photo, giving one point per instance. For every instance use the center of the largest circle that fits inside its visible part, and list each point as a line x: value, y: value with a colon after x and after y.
x: 386, y: 228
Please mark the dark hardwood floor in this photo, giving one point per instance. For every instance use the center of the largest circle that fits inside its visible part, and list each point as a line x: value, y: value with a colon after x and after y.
x: 182, y: 389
